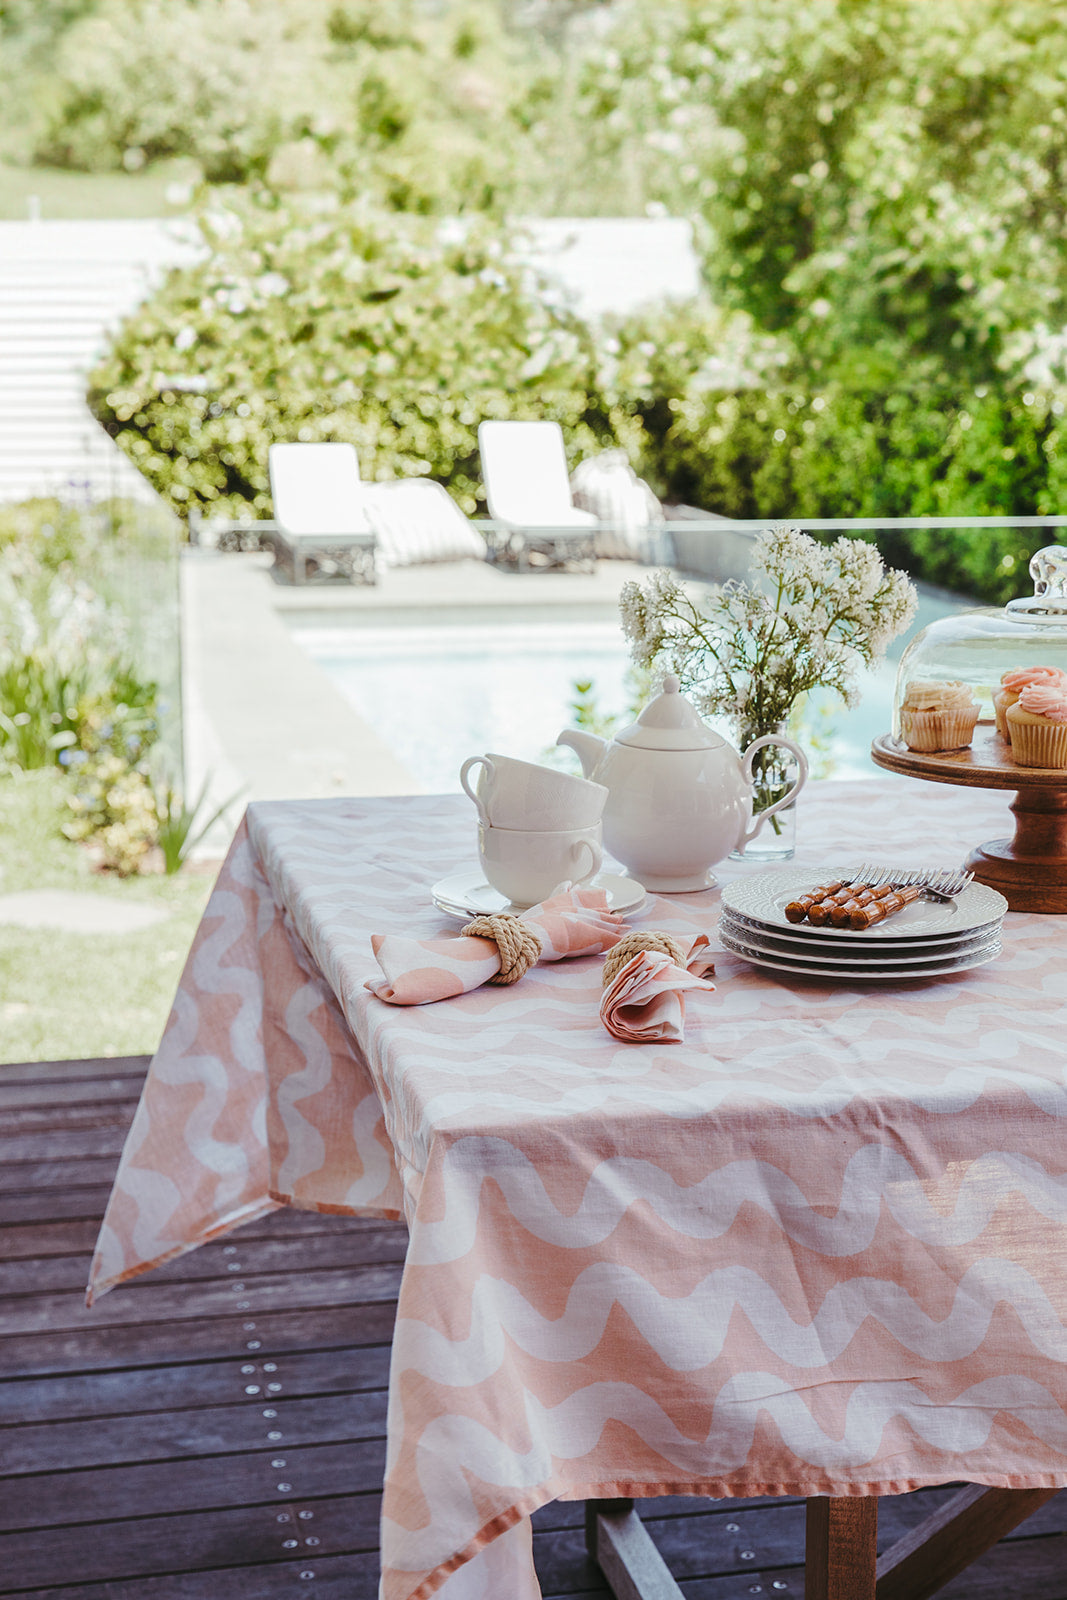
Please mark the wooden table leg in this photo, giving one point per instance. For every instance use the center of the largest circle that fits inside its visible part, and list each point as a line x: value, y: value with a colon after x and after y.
x: 948, y: 1540
x: 840, y: 1549
x: 619, y: 1543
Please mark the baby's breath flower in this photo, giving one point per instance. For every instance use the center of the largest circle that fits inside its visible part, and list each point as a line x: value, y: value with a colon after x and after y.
x: 750, y: 651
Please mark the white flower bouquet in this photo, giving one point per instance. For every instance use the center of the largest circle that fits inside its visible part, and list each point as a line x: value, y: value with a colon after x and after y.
x: 749, y: 651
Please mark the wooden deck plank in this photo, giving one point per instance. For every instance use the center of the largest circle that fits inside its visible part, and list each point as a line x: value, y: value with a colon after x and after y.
x: 209, y: 1484
x: 48, y: 1073
x: 133, y: 1464
x: 19, y: 1122
x: 52, y: 1143
x: 1034, y: 1569
x: 147, y: 1546
x: 40, y: 1098
x: 43, y: 1184
x: 352, y: 1577
x: 192, y: 1434
x: 135, y: 1392
x: 47, y: 1203
x: 81, y: 1349
x: 143, y: 1300
x: 249, y: 1258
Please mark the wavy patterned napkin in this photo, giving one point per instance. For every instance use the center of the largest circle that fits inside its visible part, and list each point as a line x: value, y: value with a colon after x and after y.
x: 645, y: 1001
x: 571, y: 922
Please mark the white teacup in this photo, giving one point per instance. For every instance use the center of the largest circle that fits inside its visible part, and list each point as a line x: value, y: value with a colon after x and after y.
x: 522, y: 795
x: 526, y: 865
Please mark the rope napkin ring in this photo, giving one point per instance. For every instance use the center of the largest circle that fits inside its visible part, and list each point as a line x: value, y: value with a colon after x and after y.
x: 493, y: 949
x: 519, y: 945
x: 646, y: 976
x: 631, y: 943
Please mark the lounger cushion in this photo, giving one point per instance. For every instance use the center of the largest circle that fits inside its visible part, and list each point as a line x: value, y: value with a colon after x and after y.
x: 416, y: 520
x: 625, y: 506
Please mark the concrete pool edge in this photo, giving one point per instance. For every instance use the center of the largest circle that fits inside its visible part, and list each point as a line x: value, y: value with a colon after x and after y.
x: 261, y: 717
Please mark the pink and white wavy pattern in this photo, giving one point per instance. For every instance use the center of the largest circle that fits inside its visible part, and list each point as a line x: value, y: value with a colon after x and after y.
x: 815, y: 1248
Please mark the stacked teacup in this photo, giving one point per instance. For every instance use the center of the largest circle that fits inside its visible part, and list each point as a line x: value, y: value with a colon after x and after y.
x: 537, y: 828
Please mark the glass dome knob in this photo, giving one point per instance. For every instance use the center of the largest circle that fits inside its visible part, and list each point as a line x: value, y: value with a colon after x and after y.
x: 1048, y: 603
x: 1049, y: 571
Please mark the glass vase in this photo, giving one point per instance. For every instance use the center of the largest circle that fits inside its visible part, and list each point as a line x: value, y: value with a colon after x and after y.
x: 774, y: 771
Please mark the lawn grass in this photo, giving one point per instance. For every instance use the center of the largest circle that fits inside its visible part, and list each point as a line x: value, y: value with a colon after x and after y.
x: 61, y: 195
x: 65, y: 995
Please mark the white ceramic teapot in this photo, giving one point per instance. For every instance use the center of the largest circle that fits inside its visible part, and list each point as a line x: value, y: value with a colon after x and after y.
x: 679, y: 796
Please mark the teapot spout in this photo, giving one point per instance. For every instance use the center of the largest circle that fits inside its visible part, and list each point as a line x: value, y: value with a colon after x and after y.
x: 589, y: 746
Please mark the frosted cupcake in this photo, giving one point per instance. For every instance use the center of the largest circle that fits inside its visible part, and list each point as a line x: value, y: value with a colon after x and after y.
x: 1037, y: 726
x: 1013, y: 683
x: 937, y: 716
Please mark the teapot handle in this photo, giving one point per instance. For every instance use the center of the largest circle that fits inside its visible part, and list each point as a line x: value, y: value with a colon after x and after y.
x: 790, y: 794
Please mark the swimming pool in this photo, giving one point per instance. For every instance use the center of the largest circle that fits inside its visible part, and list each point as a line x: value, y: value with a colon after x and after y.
x: 439, y: 693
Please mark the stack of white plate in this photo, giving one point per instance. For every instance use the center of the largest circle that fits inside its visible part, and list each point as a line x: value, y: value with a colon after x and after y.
x: 924, y: 940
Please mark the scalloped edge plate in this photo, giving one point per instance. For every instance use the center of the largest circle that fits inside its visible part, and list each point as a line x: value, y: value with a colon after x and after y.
x: 867, y: 974
x: 763, y: 899
x: 858, y: 946
x: 847, y: 955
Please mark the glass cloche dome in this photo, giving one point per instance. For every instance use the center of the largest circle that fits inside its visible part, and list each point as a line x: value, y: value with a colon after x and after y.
x: 975, y: 648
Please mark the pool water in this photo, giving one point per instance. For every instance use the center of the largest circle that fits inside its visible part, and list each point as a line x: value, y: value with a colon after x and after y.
x: 438, y: 694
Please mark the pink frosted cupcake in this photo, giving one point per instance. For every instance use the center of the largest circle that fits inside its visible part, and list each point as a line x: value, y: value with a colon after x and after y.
x: 937, y: 716
x: 1037, y: 726
x: 1013, y: 683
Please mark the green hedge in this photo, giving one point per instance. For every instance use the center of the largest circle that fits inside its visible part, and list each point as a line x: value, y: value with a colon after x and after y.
x: 778, y: 455
x: 400, y: 337
x: 350, y: 324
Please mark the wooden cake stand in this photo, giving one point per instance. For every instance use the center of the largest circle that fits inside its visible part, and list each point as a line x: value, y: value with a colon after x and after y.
x: 1029, y: 870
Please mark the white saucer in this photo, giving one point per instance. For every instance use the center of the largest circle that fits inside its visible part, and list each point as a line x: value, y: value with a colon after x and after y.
x: 466, y: 894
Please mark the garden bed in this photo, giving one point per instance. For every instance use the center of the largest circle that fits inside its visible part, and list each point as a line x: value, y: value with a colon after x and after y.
x: 64, y: 993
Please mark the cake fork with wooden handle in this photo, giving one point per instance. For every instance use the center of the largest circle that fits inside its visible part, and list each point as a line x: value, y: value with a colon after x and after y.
x: 798, y: 909
x: 878, y: 910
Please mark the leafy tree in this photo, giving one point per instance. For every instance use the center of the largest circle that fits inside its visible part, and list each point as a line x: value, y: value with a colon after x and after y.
x: 882, y: 180
x: 141, y: 80
x: 432, y: 125
x: 335, y: 95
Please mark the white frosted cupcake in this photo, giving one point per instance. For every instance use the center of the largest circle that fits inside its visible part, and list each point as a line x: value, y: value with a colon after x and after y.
x: 937, y: 716
x: 1037, y: 726
x: 1014, y: 682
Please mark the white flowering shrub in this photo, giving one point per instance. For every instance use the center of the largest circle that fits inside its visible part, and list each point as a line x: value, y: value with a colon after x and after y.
x: 113, y: 808
x: 751, y: 651
x: 350, y: 324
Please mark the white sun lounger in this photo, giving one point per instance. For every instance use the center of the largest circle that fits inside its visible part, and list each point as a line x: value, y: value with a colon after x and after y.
x: 319, y: 511
x: 528, y: 493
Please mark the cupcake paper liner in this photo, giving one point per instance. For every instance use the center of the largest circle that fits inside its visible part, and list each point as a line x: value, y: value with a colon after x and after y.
x: 1039, y: 744
x: 1003, y: 700
x: 927, y: 731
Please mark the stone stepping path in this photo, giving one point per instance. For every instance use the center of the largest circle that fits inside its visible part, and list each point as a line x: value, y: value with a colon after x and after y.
x: 75, y: 911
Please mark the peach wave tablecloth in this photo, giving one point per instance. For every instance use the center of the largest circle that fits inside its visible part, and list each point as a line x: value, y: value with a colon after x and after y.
x: 817, y: 1248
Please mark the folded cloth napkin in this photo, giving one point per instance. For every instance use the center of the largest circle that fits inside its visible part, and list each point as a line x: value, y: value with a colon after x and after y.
x: 571, y: 922
x: 643, y: 1001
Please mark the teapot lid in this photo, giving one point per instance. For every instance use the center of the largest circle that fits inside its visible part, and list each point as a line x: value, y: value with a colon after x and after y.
x: 670, y: 722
